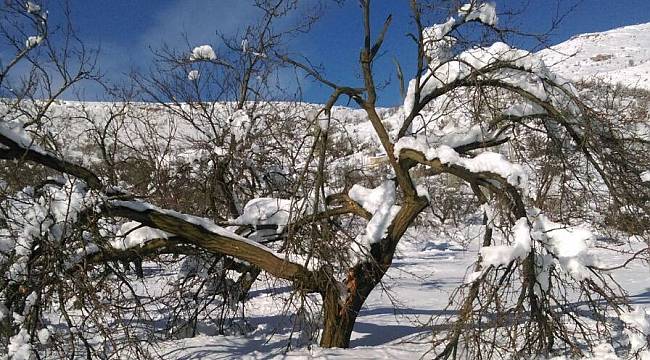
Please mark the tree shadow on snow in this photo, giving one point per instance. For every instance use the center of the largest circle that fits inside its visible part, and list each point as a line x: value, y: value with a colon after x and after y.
x: 379, y: 334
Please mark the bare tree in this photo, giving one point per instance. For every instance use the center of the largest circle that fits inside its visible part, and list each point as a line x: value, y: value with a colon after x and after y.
x: 274, y: 194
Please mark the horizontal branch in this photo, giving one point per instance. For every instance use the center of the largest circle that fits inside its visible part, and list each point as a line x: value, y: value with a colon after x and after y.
x: 15, y: 151
x: 483, y: 178
x: 213, y: 238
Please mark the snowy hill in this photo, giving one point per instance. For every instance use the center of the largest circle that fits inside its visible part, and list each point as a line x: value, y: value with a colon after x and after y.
x: 619, y: 55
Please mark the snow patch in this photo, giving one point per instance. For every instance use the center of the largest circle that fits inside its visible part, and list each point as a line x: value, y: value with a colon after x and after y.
x: 33, y: 41
x: 645, y: 176
x: 485, y: 13
x: 203, y: 52
x: 193, y: 75
x: 133, y: 234
x: 498, y: 255
x: 380, y: 202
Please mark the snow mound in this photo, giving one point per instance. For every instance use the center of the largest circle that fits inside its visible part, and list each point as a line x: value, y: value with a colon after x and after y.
x: 266, y: 211
x: 133, y: 234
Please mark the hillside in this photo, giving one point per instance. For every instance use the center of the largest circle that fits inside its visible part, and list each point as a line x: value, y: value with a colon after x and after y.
x: 619, y: 55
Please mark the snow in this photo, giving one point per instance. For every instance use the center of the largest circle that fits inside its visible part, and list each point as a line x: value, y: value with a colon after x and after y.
x: 133, y: 234
x: 203, y: 52
x: 452, y: 136
x: 268, y: 211
x: 422, y: 267
x: 499, y: 255
x: 645, y: 176
x: 48, y: 214
x: 32, y: 8
x: 390, y: 324
x: 524, y: 109
x: 193, y: 75
x: 489, y: 162
x: 372, y: 199
x: 620, y: 55
x: 638, y: 331
x: 240, y: 124
x: 16, y: 133
x: 19, y: 346
x: 380, y: 202
x: 485, y: 12
x: 324, y: 124
x: 438, y: 32
x: 206, y: 224
x: 525, y: 71
x: 570, y: 245
x: 43, y: 336
x: 437, y: 42
x: 33, y: 41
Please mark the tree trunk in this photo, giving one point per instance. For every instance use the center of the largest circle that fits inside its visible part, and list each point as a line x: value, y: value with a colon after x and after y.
x: 337, y: 326
x: 340, y: 313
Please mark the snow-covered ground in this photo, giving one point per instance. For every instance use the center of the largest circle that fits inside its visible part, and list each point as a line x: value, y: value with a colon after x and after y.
x: 393, y: 323
x: 619, y: 55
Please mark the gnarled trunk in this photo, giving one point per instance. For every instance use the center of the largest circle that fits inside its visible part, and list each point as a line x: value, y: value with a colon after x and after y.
x: 340, y: 312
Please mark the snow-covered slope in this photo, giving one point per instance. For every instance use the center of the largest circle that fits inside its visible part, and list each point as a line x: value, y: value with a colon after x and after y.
x: 620, y: 55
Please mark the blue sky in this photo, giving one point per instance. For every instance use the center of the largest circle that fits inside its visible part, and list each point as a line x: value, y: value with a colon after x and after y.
x: 126, y: 30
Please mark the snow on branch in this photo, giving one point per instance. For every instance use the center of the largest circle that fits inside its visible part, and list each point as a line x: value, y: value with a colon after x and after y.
x: 133, y: 234
x: 203, y: 52
x: 483, y: 12
x: 34, y: 41
x: 501, y: 255
x: 637, y: 331
x: 199, y: 231
x: 206, y: 234
x: 16, y: 136
x: 18, y: 145
x: 645, y: 176
x: 457, y: 138
x: 36, y: 213
x: 486, y: 162
x: 193, y: 75
x: 436, y: 39
x: 269, y: 211
x: 380, y: 202
x: 32, y: 8
x: 493, y: 65
x: 568, y: 245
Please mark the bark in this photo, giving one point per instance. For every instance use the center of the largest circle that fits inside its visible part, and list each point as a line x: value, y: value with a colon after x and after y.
x: 340, y: 312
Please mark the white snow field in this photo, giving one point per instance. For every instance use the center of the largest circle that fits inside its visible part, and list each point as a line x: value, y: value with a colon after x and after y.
x: 618, y: 56
x: 393, y: 323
